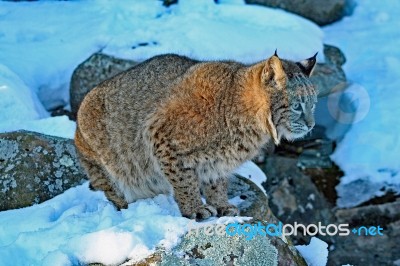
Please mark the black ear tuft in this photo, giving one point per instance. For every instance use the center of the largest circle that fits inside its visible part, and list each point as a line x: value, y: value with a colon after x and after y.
x: 307, y: 66
x: 276, y: 53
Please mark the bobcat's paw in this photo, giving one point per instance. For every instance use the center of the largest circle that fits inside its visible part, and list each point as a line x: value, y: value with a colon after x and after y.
x: 121, y: 206
x: 118, y: 202
x: 203, y: 212
x: 227, y: 210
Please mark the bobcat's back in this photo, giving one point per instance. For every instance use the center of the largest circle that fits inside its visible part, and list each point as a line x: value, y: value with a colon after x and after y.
x: 123, y: 102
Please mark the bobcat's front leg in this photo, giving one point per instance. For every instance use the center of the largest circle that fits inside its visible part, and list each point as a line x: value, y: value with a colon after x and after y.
x: 178, y: 170
x: 187, y: 191
x: 216, y: 194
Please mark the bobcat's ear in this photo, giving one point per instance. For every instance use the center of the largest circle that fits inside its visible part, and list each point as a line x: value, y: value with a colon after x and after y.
x: 273, y: 71
x: 307, y: 66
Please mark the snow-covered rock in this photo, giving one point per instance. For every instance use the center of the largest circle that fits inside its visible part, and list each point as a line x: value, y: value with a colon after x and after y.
x: 321, y: 12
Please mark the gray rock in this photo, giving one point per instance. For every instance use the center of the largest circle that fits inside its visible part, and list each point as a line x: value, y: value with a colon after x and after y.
x: 255, y: 202
x: 321, y: 12
x: 370, y: 215
x: 168, y: 3
x: 293, y: 197
x: 232, y: 250
x: 203, y: 249
x: 35, y: 168
x: 329, y: 77
x: 313, y: 150
x: 333, y: 55
x: 369, y: 250
x: 91, y: 72
x: 330, y: 80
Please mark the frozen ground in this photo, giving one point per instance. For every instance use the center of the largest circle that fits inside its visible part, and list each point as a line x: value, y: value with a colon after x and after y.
x: 40, y: 47
x: 369, y: 153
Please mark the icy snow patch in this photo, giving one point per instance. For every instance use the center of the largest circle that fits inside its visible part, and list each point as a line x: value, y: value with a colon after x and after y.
x: 315, y: 253
x: 16, y: 99
x: 59, y: 126
x: 251, y: 171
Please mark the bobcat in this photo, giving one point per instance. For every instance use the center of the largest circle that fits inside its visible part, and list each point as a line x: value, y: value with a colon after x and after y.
x: 176, y: 125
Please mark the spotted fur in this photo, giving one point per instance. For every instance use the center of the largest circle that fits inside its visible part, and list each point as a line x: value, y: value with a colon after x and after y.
x: 176, y: 125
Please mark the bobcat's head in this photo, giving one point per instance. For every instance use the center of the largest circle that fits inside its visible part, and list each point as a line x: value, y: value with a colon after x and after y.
x: 293, y: 97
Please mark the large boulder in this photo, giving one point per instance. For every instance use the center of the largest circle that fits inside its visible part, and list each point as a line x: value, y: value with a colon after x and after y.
x: 203, y: 249
x: 321, y: 12
x: 35, y: 167
x: 97, y: 68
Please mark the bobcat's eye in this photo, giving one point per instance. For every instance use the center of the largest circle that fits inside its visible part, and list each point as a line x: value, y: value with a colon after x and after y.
x: 296, y: 107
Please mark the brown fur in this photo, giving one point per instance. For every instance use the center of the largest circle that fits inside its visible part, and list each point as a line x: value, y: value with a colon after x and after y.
x: 172, y: 124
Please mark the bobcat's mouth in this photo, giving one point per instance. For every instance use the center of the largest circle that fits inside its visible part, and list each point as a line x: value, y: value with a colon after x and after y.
x: 299, y: 134
x: 295, y: 132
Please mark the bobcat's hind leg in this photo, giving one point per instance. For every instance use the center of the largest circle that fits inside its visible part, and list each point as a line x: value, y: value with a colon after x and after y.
x: 99, y: 181
x: 216, y: 194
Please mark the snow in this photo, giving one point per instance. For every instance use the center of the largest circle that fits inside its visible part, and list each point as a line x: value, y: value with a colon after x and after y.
x: 252, y: 172
x: 315, y: 253
x: 369, y: 151
x: 59, y: 126
x: 17, y: 101
x: 82, y: 226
